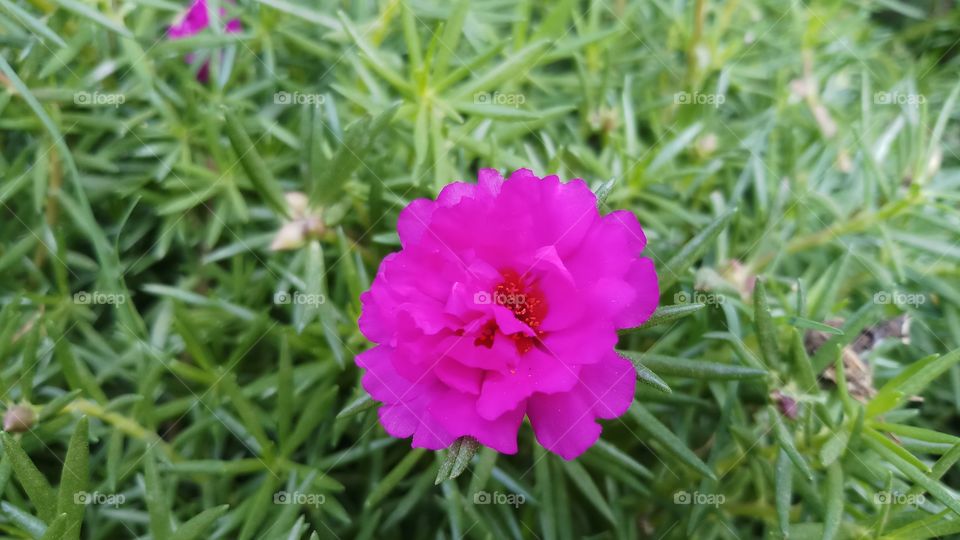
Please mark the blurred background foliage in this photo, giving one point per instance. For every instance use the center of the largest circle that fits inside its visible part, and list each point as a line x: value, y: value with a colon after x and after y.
x: 154, y: 348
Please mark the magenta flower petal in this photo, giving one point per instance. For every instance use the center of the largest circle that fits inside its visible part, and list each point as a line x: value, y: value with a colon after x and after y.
x: 504, y: 303
x: 381, y: 379
x: 537, y: 372
x: 459, y: 376
x: 610, y: 384
x: 642, y: 277
x: 457, y: 415
x: 591, y: 339
x: 413, y: 220
x: 398, y: 420
x: 193, y: 21
x: 233, y: 25
x: 565, y: 424
x: 196, y: 19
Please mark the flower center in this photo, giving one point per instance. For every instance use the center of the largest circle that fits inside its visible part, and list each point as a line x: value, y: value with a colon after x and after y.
x: 528, y: 305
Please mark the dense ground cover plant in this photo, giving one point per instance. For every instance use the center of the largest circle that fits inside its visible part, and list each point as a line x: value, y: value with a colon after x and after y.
x: 183, y: 257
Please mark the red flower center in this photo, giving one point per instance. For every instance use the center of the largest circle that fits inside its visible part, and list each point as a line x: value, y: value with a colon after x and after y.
x: 526, y: 301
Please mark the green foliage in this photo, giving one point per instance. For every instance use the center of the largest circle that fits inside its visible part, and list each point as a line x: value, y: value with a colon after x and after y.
x: 795, y: 168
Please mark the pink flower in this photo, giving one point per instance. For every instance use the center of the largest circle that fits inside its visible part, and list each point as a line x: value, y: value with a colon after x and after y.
x: 192, y: 22
x: 503, y: 303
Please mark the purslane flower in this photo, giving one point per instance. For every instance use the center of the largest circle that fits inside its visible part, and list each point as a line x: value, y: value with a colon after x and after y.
x: 503, y: 303
x: 193, y: 21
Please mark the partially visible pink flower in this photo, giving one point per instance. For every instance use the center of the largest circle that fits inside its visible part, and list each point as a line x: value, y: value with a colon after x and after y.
x: 193, y: 21
x: 504, y: 303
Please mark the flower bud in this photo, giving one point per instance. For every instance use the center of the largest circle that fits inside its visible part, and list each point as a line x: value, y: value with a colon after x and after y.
x: 297, y: 202
x: 290, y: 236
x: 18, y: 419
